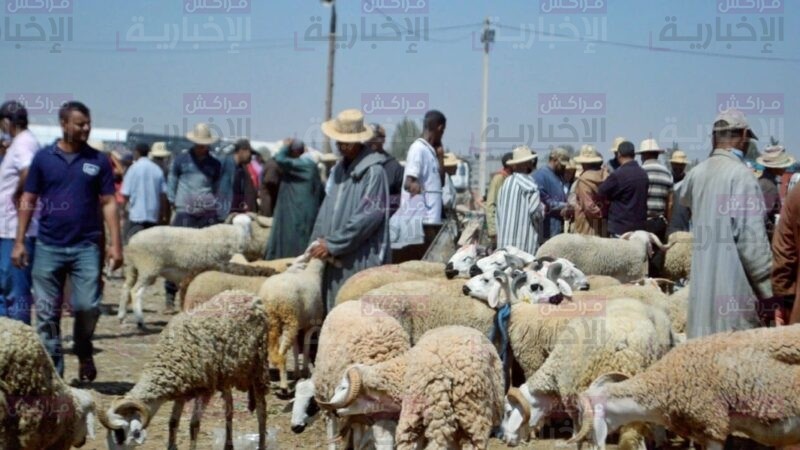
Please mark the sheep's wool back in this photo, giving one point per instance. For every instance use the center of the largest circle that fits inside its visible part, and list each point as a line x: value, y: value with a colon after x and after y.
x: 366, y: 280
x: 210, y: 283
x: 701, y: 383
x: 678, y: 259
x: 221, y: 343
x: 353, y: 333
x: 35, y: 396
x: 594, y: 255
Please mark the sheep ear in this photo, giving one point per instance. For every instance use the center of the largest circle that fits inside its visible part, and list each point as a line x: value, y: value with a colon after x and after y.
x: 481, y: 251
x: 519, y: 278
x: 515, y: 261
x: 554, y: 271
x: 606, y: 378
x: 493, y: 298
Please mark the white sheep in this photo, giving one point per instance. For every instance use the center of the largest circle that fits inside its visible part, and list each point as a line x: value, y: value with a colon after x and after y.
x: 705, y: 390
x: 200, y: 287
x: 37, y: 409
x: 293, y: 302
x: 278, y: 265
x: 625, y: 336
x: 174, y: 252
x: 678, y: 259
x: 512, y: 257
x: 447, y: 390
x: 217, y: 346
x: 625, y: 258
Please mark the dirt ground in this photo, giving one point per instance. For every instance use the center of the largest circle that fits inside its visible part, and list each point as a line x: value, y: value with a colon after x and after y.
x: 121, y: 351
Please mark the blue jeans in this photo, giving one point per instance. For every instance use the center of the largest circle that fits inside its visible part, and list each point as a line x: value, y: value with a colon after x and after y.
x: 82, y: 263
x: 15, y: 284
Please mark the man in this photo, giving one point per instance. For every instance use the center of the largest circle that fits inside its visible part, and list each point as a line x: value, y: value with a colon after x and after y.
x: 144, y: 191
x: 74, y: 183
x: 420, y: 214
x: 678, y: 163
x: 160, y: 155
x: 659, y: 189
x: 626, y: 192
x: 775, y: 161
x: 15, y: 283
x: 786, y: 262
x: 192, y: 189
x: 680, y: 216
x: 550, y: 180
x: 298, y: 201
x: 734, y: 260
x: 394, y: 171
x: 614, y: 163
x: 520, y: 211
x: 244, y: 195
x: 588, y: 206
x: 224, y: 195
x: 352, y: 224
x: 270, y: 184
x: 491, y: 197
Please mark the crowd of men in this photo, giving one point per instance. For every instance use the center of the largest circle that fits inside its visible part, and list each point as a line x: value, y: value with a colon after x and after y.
x: 62, y: 206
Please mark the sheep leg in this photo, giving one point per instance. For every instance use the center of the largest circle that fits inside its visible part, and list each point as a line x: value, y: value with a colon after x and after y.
x: 228, y: 398
x: 200, y: 404
x: 174, y: 420
x: 125, y: 296
x: 332, y: 431
x: 138, y: 312
x: 296, y: 355
x: 261, y: 413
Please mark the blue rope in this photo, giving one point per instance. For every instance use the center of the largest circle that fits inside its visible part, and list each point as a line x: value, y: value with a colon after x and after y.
x: 501, y: 325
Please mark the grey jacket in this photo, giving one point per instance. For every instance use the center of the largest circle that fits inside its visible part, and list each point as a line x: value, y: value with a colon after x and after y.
x: 354, y: 220
x: 731, y: 257
x: 192, y: 190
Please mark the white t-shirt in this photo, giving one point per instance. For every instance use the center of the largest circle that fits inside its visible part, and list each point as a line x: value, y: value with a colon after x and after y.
x: 18, y: 158
x: 422, y: 164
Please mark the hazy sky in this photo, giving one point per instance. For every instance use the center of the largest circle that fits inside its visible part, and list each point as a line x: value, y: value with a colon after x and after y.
x: 664, y: 70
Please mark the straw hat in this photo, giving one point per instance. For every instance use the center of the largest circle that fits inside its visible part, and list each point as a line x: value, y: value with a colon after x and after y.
x: 521, y: 155
x: 348, y: 126
x: 679, y: 157
x: 159, y: 150
x: 775, y: 157
x: 588, y: 155
x: 451, y: 160
x: 201, y: 135
x: 618, y: 140
x: 571, y: 164
x: 649, y: 145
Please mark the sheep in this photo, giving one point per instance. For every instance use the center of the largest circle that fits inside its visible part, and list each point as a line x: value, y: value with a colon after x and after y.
x: 625, y: 258
x: 601, y: 281
x: 173, y: 252
x: 447, y: 389
x: 293, y: 302
x: 38, y: 410
x: 199, y: 288
x: 625, y: 336
x: 217, y: 346
x: 351, y: 333
x: 512, y: 257
x: 706, y: 390
x: 678, y: 259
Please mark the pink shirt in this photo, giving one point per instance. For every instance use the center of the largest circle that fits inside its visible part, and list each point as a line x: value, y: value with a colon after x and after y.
x: 18, y: 158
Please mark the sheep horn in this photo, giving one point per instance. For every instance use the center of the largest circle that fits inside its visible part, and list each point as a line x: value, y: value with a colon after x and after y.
x: 515, y: 397
x: 655, y: 240
x: 587, y: 419
x: 627, y: 235
x: 129, y: 403
x: 355, y: 386
x: 103, y: 418
x: 264, y: 221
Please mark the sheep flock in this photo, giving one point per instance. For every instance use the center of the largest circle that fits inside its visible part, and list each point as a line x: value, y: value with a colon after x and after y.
x: 484, y: 350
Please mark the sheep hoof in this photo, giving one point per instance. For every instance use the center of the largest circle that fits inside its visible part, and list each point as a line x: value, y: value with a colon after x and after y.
x: 297, y: 429
x: 284, y: 394
x: 140, y: 326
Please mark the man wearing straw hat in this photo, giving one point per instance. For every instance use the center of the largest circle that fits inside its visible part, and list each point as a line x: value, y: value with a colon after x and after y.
x: 520, y: 211
x: 394, y: 171
x: 613, y: 163
x: 192, y: 188
x: 659, y: 189
x: 680, y: 215
x: 352, y: 225
x: 775, y: 161
x: 588, y: 205
x: 731, y: 256
x: 144, y: 191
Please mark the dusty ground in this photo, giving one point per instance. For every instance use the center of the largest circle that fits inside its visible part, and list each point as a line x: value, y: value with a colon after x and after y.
x: 120, y: 353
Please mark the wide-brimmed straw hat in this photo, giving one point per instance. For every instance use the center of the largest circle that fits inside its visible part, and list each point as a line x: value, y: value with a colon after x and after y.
x: 201, y: 135
x: 348, y: 126
x: 775, y: 157
x: 649, y: 146
x: 679, y: 157
x: 451, y: 160
x: 159, y: 150
x: 615, y: 145
x: 521, y: 154
x: 588, y: 155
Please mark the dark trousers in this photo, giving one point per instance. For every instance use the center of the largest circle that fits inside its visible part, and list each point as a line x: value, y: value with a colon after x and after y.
x: 658, y: 226
x: 416, y: 252
x: 188, y: 221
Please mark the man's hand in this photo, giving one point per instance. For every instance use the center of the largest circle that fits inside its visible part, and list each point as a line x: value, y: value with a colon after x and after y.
x: 782, y: 316
x: 114, y: 253
x: 288, y: 141
x: 320, y: 251
x: 19, y: 255
x: 568, y: 212
x: 412, y: 186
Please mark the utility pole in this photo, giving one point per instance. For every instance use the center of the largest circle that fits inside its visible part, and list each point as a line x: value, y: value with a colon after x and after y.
x: 487, y: 38
x: 326, y: 146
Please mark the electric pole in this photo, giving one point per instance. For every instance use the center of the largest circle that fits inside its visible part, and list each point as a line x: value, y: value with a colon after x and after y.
x: 326, y: 145
x: 487, y: 38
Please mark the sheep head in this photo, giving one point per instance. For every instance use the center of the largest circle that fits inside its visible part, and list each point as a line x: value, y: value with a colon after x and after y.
x: 126, y: 421
x: 355, y: 395
x: 85, y: 415
x: 347, y: 391
x: 459, y: 264
x: 562, y: 268
x: 501, y: 260
x: 258, y: 229
x: 524, y: 412
x: 648, y: 239
x: 303, y: 398
x: 594, y: 419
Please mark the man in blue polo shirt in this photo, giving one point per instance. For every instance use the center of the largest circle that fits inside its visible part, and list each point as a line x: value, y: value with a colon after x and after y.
x: 74, y: 183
